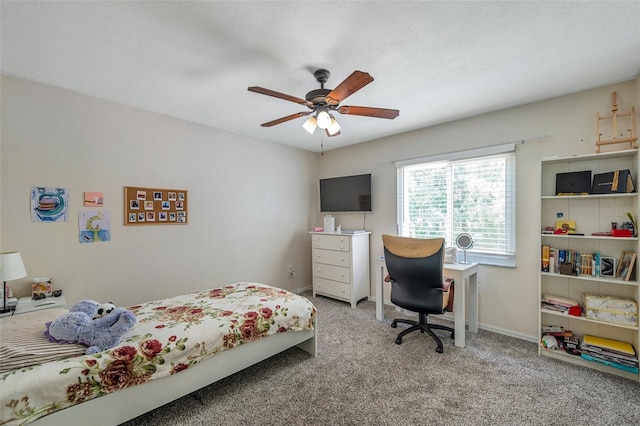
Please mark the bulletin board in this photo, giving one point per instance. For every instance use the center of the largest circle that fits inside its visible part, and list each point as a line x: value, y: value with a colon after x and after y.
x: 155, y: 206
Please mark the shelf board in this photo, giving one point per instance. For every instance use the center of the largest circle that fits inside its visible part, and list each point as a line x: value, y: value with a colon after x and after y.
x: 582, y: 318
x: 590, y: 157
x: 590, y: 237
x: 590, y: 196
x: 619, y: 281
x: 561, y: 355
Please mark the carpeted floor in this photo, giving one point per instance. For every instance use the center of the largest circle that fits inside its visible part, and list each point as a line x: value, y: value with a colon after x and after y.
x: 361, y: 377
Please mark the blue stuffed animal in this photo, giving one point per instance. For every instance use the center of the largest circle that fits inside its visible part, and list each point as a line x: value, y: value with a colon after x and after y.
x: 78, y: 326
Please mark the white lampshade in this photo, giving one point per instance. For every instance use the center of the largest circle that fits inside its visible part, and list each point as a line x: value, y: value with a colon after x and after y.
x: 324, y: 120
x: 11, y: 266
x: 310, y: 125
x: 334, y: 128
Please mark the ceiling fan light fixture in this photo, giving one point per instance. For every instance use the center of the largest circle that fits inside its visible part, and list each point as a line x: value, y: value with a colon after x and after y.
x: 310, y: 125
x: 334, y: 128
x: 323, y: 119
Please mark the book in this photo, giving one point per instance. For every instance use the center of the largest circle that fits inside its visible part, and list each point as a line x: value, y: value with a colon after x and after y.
x: 545, y: 258
x: 602, y: 342
x: 610, y: 363
x: 596, y: 258
x: 562, y: 256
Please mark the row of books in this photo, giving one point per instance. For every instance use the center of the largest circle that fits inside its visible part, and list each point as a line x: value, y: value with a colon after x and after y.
x: 570, y: 262
x: 614, y: 353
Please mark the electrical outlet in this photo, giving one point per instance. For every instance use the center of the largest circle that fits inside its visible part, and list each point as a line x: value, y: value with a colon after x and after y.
x: 292, y: 271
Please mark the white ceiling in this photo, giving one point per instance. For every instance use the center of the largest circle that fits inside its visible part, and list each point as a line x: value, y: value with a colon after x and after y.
x: 434, y: 61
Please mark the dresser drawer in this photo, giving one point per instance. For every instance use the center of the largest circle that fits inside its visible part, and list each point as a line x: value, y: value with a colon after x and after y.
x: 332, y: 257
x: 332, y: 288
x: 331, y: 242
x: 331, y: 272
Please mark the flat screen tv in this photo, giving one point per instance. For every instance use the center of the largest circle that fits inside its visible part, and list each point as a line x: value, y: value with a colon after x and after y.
x: 346, y: 194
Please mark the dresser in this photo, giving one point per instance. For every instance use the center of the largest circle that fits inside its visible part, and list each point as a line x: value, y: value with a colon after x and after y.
x: 341, y: 265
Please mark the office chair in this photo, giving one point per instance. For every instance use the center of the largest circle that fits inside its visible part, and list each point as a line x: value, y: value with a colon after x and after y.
x: 415, y: 272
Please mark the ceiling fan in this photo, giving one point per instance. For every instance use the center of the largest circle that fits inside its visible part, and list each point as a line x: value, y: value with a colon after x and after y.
x: 322, y: 102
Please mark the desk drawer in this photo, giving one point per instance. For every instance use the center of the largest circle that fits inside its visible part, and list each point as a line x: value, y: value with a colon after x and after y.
x: 332, y: 288
x: 331, y: 272
x: 331, y: 257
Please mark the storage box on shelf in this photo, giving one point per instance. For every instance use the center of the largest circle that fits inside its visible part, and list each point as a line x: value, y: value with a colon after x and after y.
x: 593, y: 213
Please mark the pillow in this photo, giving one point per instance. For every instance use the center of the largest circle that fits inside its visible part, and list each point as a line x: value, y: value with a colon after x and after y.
x: 22, y: 343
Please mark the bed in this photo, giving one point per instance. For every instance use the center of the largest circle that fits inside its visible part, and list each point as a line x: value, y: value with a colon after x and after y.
x: 188, y: 341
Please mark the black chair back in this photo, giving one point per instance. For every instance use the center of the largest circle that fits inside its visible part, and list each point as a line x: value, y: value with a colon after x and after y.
x: 415, y: 268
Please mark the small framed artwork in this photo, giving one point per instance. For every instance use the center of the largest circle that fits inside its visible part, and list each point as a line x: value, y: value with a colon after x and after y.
x: 93, y: 199
x: 608, y: 266
x: 626, y: 265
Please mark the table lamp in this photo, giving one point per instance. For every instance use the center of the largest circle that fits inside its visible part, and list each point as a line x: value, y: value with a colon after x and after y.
x: 11, y: 268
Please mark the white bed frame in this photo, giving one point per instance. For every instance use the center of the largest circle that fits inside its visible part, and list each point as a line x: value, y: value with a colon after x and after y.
x: 125, y: 404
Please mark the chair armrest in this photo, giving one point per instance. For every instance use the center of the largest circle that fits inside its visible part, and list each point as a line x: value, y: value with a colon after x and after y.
x: 448, y: 287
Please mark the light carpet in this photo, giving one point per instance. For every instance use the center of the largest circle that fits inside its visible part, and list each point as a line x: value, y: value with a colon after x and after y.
x: 361, y: 377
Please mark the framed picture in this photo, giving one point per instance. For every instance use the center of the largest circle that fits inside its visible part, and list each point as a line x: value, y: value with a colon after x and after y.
x: 608, y: 266
x: 625, y: 265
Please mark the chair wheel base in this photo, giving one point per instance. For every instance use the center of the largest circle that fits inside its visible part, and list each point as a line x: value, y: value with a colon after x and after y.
x: 398, y: 341
x: 394, y: 324
x: 439, y: 349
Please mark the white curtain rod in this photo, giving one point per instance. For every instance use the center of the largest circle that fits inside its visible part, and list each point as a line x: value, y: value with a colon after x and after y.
x: 487, y: 150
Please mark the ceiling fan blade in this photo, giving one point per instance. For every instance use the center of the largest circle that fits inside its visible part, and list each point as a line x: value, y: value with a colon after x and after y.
x: 331, y: 135
x: 369, y: 112
x: 279, y: 95
x: 356, y: 81
x: 285, y: 119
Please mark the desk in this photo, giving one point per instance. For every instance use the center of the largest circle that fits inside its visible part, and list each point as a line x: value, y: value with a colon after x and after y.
x: 461, y: 273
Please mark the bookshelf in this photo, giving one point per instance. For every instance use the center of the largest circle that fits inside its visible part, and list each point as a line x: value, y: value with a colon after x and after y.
x: 591, y: 213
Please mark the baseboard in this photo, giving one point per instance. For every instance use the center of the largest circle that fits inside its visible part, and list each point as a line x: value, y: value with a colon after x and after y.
x: 449, y: 316
x: 510, y: 333
x: 303, y: 289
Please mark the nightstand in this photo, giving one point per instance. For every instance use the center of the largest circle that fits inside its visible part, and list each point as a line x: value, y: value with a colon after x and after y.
x: 27, y: 304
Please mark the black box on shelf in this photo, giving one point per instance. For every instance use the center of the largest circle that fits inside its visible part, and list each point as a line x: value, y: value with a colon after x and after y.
x: 616, y: 182
x: 573, y: 182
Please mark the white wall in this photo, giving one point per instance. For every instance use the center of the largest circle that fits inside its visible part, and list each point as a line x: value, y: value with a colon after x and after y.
x: 249, y: 200
x: 509, y: 300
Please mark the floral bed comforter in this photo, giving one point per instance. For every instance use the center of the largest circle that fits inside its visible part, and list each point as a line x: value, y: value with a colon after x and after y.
x: 170, y: 336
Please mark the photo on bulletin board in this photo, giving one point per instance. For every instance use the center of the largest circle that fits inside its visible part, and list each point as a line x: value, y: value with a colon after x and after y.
x: 155, y: 206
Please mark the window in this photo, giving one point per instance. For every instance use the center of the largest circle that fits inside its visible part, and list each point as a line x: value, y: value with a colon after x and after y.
x: 472, y: 191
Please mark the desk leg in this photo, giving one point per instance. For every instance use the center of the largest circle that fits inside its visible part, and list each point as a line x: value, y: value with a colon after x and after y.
x: 473, y: 306
x: 459, y: 304
x: 380, y: 294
